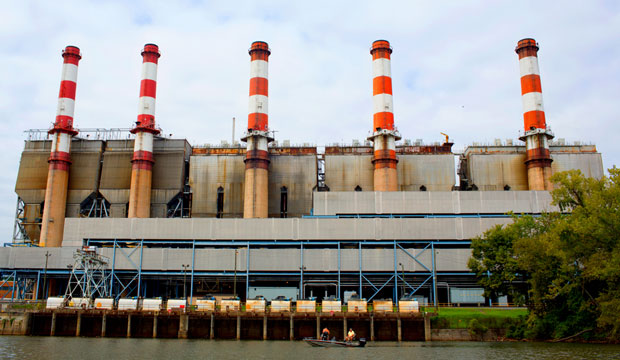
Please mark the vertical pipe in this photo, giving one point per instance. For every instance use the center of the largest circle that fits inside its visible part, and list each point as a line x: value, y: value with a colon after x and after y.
x: 265, y: 326
x: 537, y: 134
x: 434, y: 276
x: 155, y: 326
x: 247, y: 271
x: 113, y: 267
x: 318, y: 326
x: 191, y: 286
x: 291, y: 330
x: 255, y: 198
x: 13, y: 287
x: 395, y: 276
x: 78, y: 325
x: 359, y: 254
x: 339, y: 270
x: 140, y: 267
x: 129, y: 325
x: 301, y: 271
x: 53, y: 221
x: 36, y: 293
x: 384, y: 135
x: 142, y: 160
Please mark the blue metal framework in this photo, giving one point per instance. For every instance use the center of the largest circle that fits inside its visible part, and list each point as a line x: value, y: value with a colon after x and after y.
x: 364, y: 278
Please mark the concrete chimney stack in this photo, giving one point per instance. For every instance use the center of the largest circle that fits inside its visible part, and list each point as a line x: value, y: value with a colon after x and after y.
x: 255, y: 199
x: 384, y: 133
x: 142, y: 161
x: 53, y: 223
x: 536, y: 135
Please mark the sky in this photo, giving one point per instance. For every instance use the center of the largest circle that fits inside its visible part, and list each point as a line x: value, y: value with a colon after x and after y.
x: 454, y: 69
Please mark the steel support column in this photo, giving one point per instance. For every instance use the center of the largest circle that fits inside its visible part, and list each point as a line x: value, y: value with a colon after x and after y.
x: 113, y: 265
x: 191, y: 286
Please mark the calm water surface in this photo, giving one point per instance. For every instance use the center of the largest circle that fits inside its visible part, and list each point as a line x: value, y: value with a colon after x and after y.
x: 26, y: 347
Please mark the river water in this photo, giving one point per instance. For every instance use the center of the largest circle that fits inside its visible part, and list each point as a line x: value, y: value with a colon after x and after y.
x: 30, y: 347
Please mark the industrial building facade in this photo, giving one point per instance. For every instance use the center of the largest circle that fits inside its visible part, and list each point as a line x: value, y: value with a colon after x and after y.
x: 384, y: 217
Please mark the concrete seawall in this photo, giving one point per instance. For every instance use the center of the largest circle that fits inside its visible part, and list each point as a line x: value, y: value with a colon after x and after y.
x: 221, y: 325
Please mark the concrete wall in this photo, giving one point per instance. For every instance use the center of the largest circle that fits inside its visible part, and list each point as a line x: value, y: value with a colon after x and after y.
x: 432, y: 202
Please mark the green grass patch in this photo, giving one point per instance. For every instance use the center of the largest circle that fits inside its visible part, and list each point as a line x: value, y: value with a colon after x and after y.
x: 459, y: 318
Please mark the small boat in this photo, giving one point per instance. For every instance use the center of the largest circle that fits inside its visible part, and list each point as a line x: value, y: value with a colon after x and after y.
x: 334, y: 343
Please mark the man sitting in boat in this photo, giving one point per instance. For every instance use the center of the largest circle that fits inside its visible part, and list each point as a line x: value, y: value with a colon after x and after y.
x: 350, y: 335
x: 325, y: 334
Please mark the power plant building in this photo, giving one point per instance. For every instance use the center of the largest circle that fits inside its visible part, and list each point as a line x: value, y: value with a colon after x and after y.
x: 385, y: 217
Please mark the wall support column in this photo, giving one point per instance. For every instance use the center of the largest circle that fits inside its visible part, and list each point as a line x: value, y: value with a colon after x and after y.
x: 104, y: 321
x: 212, y: 330
x: 372, y: 327
x: 53, y: 328
x: 129, y: 325
x: 427, y: 327
x: 155, y: 326
x: 238, y: 327
x: 78, y: 325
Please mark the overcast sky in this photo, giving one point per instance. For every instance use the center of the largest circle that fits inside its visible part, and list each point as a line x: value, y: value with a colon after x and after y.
x: 454, y: 69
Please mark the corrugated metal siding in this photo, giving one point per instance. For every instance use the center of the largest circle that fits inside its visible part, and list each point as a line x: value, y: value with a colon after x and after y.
x: 590, y: 164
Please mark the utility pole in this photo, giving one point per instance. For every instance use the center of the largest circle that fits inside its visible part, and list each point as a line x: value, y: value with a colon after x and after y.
x: 47, y: 255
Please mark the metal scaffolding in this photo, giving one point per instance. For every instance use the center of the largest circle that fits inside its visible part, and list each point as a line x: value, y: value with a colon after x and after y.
x: 88, y: 278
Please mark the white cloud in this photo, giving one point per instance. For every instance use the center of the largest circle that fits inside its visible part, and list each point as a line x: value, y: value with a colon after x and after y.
x: 454, y: 69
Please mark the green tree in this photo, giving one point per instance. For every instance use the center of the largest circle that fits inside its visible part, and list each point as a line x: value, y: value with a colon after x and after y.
x: 570, y: 260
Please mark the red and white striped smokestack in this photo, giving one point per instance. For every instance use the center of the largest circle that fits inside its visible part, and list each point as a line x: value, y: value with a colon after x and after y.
x: 54, y: 208
x: 536, y: 135
x: 142, y: 161
x: 384, y: 133
x: 255, y: 199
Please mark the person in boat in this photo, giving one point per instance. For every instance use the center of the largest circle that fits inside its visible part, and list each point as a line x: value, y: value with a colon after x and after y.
x: 350, y: 335
x: 325, y: 334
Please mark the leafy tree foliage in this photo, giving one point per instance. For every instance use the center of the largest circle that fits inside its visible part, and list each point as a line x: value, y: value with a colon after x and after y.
x: 564, y: 265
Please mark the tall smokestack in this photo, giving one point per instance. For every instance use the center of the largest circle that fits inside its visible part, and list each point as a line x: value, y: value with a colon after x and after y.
x: 54, y: 208
x: 255, y: 199
x: 142, y: 161
x: 384, y: 133
x: 536, y: 135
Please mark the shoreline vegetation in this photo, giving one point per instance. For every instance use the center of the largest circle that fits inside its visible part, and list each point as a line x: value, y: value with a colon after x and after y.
x: 564, y: 266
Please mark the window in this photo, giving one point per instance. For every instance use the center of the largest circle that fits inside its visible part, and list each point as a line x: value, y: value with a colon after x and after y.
x: 220, y: 202
x: 283, y: 202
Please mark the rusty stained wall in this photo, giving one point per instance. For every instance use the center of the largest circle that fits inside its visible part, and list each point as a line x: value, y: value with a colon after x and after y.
x: 209, y: 172
x: 490, y: 168
x: 32, y: 178
x: 343, y: 172
x: 168, y: 174
x: 211, y: 168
